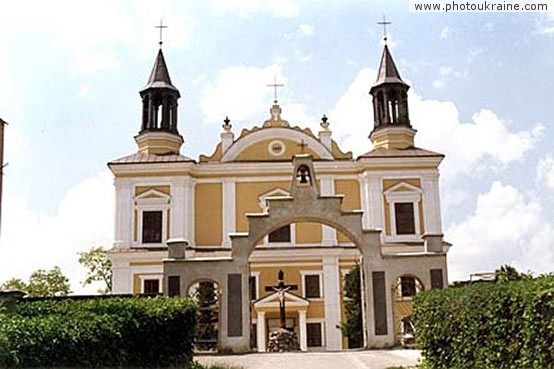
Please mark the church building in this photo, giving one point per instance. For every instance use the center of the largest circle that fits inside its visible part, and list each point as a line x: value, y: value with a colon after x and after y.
x: 279, y: 197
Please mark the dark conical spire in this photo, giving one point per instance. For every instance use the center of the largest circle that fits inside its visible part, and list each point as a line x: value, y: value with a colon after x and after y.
x: 388, y: 73
x: 159, y: 77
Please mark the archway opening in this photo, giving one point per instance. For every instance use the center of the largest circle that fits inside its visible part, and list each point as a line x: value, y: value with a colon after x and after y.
x: 206, y: 294
x: 404, y: 289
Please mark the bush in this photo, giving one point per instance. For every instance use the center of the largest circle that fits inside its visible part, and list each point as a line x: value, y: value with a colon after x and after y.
x: 101, y: 332
x: 488, y: 325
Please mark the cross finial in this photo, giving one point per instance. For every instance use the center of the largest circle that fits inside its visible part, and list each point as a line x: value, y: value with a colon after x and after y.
x: 161, y: 27
x: 302, y: 146
x: 275, y: 85
x: 384, y: 23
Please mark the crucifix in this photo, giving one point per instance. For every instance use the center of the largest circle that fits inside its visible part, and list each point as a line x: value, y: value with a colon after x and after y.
x: 281, y: 288
x: 275, y: 85
x: 161, y: 27
x: 384, y: 23
x: 302, y: 146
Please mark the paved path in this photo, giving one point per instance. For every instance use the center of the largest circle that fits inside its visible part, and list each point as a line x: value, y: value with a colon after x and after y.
x: 373, y: 359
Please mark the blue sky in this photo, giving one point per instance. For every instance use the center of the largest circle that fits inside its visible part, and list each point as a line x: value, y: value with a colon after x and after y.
x: 70, y: 73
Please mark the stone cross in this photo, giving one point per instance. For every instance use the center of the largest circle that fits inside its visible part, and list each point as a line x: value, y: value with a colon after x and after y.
x: 281, y: 288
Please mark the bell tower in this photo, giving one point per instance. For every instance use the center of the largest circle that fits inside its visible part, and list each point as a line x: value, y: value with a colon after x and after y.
x: 158, y: 133
x: 392, y: 128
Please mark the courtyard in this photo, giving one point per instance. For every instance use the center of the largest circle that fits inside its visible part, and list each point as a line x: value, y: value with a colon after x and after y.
x: 372, y: 359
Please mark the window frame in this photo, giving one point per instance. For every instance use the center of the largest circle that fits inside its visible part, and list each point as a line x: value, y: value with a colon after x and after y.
x: 321, y: 323
x: 144, y: 277
x: 319, y: 273
x: 151, y: 200
x: 256, y: 276
x: 413, y: 195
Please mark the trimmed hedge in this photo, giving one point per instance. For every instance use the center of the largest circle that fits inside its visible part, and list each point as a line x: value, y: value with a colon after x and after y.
x: 105, y: 332
x: 488, y: 325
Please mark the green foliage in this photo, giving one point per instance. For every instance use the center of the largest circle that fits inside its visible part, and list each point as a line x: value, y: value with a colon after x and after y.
x: 114, y: 331
x: 48, y: 283
x: 99, y: 267
x: 353, y: 328
x: 488, y: 325
x: 508, y: 273
x: 14, y: 284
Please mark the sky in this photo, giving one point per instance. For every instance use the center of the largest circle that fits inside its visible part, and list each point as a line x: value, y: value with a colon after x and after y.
x: 70, y: 73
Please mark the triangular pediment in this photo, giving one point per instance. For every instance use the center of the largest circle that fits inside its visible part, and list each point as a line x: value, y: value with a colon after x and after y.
x: 152, y: 195
x: 403, y: 187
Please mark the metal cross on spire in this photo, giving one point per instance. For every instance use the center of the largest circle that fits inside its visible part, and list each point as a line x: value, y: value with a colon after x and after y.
x: 161, y: 27
x: 275, y: 85
x: 384, y: 23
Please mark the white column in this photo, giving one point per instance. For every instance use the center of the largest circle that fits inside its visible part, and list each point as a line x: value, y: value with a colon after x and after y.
x: 260, y: 335
x: 228, y: 221
x: 331, y: 294
x: 329, y: 234
x: 431, y: 203
x: 122, y: 277
x: 374, y: 203
x: 177, y: 209
x: 302, y: 330
x: 189, y: 219
x: 123, y: 212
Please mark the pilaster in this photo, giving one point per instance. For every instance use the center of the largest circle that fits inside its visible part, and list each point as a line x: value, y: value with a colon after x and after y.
x: 331, y: 294
x: 123, y: 212
x: 229, y: 202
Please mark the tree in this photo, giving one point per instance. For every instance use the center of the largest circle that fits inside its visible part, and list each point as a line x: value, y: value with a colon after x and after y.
x: 508, y: 273
x: 48, y: 283
x: 353, y: 327
x: 14, y: 284
x: 208, y: 316
x: 99, y: 267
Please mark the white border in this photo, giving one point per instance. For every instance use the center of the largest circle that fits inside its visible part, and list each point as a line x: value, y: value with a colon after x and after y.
x: 303, y: 274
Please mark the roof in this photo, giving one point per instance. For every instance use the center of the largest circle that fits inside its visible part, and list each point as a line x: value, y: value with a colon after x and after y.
x: 151, y: 158
x: 159, y: 77
x: 395, y: 153
x: 388, y: 73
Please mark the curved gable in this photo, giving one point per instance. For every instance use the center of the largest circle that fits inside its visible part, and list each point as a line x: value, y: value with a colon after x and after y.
x: 276, y: 143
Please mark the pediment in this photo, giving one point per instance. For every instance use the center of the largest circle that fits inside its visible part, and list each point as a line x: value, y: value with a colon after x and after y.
x: 403, y: 187
x: 152, y: 196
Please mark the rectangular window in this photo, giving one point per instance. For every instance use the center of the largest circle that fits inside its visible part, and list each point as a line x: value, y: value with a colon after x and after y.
x: 407, y: 287
x: 280, y: 235
x: 253, y: 289
x: 151, y: 286
x: 404, y: 216
x: 314, y: 334
x: 152, y: 227
x: 174, y: 285
x: 311, y: 286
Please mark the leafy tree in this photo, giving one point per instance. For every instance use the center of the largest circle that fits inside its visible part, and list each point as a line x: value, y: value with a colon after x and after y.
x: 353, y: 327
x: 14, y: 284
x: 99, y: 267
x: 508, y: 273
x: 48, y: 283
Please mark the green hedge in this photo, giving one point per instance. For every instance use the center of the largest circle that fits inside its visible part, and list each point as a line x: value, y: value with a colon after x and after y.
x: 101, y: 332
x: 488, y: 325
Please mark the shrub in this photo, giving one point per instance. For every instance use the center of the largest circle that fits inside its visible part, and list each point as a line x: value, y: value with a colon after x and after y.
x: 101, y: 332
x: 488, y: 325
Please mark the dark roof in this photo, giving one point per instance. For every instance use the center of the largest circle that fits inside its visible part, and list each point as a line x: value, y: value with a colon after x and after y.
x: 388, y: 73
x: 398, y: 153
x: 159, y: 77
x: 151, y: 158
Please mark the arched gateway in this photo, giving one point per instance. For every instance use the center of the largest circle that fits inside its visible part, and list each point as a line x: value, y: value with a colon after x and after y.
x: 305, y: 204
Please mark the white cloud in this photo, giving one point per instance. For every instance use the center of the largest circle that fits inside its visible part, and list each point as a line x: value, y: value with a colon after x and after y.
x: 545, y: 171
x: 306, y: 30
x: 438, y: 84
x: 95, y: 61
x: 220, y: 98
x: 484, y: 141
x: 445, y: 33
x: 30, y: 240
x: 445, y: 70
x: 246, y: 8
x: 506, y: 228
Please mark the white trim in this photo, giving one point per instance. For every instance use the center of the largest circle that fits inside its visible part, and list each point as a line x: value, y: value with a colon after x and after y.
x: 228, y: 211
x: 319, y: 273
x: 276, y: 192
x: 332, y: 302
x: 275, y: 132
x: 302, y: 330
x: 328, y: 234
x: 143, y: 277
x: 412, y: 195
x: 144, y: 202
x: 272, y: 150
x: 256, y: 275
x: 260, y: 334
x: 322, y: 325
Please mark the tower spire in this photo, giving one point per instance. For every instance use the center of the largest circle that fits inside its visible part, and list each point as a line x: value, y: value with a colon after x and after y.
x: 392, y: 128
